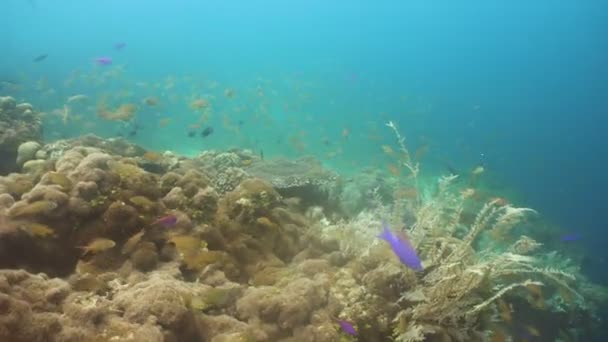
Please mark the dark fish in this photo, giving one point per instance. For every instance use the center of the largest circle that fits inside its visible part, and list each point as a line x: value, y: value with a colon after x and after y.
x: 241, y: 122
x: 451, y: 169
x: 191, y: 134
x: 40, y: 58
x: 207, y: 132
x: 262, y: 154
x: 133, y: 133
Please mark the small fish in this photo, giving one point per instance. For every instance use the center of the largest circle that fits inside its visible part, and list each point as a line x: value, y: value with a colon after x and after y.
x: 129, y: 246
x: 478, y: 170
x: 103, y: 60
x: 32, y: 209
x: 120, y: 45
x: 229, y: 93
x: 571, y: 237
x: 191, y: 134
x: 162, y: 123
x: 151, y: 101
x: 166, y: 221
x: 402, y: 248
x: 97, y: 245
x: 40, y: 230
x: 387, y: 149
x: 142, y: 202
x: 345, y: 133
x: 40, y: 58
x: 347, y: 327
x: 207, y: 131
x: 77, y: 98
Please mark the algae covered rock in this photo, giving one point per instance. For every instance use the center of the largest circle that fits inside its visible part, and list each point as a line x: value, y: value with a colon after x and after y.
x: 19, y: 123
x: 304, y: 178
x: 27, y: 151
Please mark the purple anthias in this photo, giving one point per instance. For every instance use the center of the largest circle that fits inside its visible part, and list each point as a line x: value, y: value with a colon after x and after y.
x: 571, y: 237
x: 103, y: 60
x: 166, y: 221
x: 347, y: 327
x: 402, y: 248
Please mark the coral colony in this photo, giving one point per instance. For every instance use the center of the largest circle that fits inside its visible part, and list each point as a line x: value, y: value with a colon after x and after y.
x: 101, y: 240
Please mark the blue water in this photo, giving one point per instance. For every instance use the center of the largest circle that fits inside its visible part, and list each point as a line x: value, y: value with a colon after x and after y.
x: 519, y: 87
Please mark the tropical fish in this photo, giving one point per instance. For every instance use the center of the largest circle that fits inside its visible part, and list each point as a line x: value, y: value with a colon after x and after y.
x: 129, y: 246
x: 571, y: 237
x: 229, y: 93
x: 97, y: 245
x: 151, y: 101
x: 77, y: 98
x: 345, y: 133
x: 347, y: 327
x: 402, y: 248
x: 40, y: 230
x: 119, y: 45
x: 152, y: 156
x: 32, y: 209
x: 164, y: 122
x: 103, y: 60
x: 478, y: 170
x: 40, y: 58
x: 199, y: 104
x: 142, y: 202
x: 387, y: 149
x: 166, y: 221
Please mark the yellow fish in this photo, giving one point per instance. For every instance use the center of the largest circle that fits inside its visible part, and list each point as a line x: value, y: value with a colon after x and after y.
x: 40, y: 230
x: 97, y: 245
x: 129, y: 246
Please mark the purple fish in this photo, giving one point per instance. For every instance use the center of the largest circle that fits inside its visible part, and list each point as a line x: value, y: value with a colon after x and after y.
x: 347, y: 327
x: 103, y: 60
x: 571, y: 237
x: 119, y: 45
x: 166, y: 221
x: 402, y: 248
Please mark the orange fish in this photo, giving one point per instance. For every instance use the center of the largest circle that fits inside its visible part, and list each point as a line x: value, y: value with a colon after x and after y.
x: 393, y: 169
x: 164, y: 122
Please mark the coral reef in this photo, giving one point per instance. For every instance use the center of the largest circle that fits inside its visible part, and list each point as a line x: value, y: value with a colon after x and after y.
x: 115, y: 243
x: 19, y: 123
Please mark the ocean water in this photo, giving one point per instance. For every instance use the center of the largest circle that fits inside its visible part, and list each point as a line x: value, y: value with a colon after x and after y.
x: 517, y: 87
